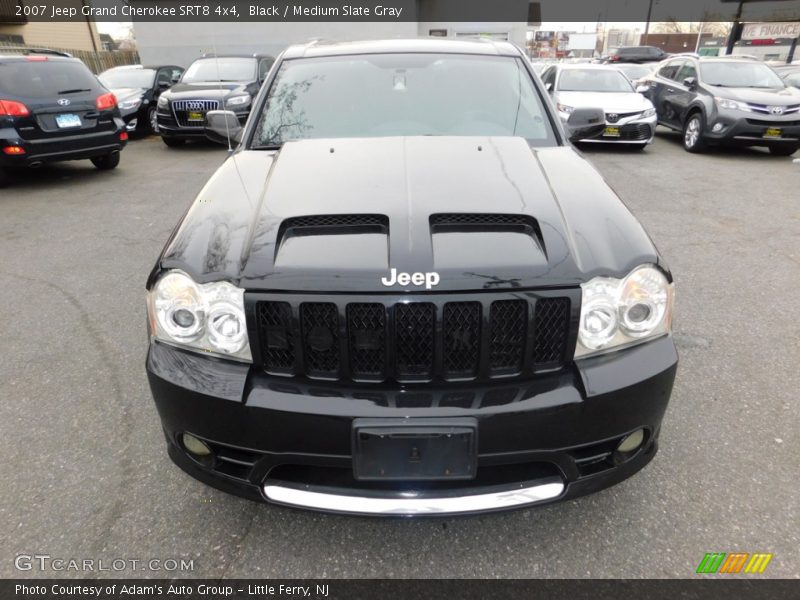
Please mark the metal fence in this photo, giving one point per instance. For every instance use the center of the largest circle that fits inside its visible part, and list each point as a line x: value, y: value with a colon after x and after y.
x: 96, y: 61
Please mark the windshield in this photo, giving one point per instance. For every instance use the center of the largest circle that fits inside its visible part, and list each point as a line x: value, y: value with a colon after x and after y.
x: 221, y: 69
x: 379, y: 95
x: 43, y: 79
x: 634, y: 71
x: 593, y: 80
x: 128, y: 78
x: 740, y: 74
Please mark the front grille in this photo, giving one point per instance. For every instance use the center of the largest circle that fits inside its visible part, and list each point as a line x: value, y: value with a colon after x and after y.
x: 778, y: 124
x: 635, y: 133
x: 614, y: 117
x: 182, y: 108
x: 480, y: 336
x: 768, y: 108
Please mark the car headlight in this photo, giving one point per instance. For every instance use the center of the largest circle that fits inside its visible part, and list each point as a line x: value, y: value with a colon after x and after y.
x: 564, y: 108
x: 129, y: 104
x: 621, y: 312
x: 649, y: 112
x: 206, y: 317
x: 238, y: 100
x: 163, y: 101
x: 732, y: 104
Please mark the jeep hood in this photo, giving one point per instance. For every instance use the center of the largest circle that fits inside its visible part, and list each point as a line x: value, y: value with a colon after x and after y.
x: 381, y: 200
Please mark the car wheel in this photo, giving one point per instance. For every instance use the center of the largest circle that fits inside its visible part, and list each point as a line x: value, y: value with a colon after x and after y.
x: 172, y: 142
x: 107, y: 162
x: 783, y: 150
x: 693, y: 133
x: 152, y: 119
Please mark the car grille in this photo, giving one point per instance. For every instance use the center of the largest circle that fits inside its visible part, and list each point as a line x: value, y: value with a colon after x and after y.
x: 767, y: 109
x: 480, y: 336
x: 779, y: 124
x: 635, y: 133
x: 181, y: 109
x: 614, y: 117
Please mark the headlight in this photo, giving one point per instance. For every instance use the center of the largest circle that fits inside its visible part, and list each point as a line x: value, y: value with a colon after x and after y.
x: 621, y: 312
x: 731, y: 104
x: 129, y: 104
x: 163, y: 101
x: 207, y: 317
x: 238, y: 100
x: 649, y: 112
x: 564, y: 108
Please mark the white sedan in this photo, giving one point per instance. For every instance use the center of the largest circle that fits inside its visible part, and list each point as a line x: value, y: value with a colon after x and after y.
x: 630, y: 117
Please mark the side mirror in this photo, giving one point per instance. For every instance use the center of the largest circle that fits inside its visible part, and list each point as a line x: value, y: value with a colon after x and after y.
x: 586, y: 123
x: 163, y: 85
x: 642, y: 88
x: 690, y: 82
x: 223, y: 125
x: 176, y: 79
x: 548, y: 86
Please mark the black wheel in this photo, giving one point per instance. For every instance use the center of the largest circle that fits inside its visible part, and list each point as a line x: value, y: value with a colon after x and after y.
x: 693, y: 133
x: 107, y: 162
x: 783, y: 150
x: 172, y: 142
x: 152, y: 119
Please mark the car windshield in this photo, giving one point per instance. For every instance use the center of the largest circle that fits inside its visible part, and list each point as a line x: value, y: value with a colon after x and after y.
x: 634, y: 71
x: 45, y: 78
x: 740, y: 74
x: 128, y: 78
x: 377, y: 95
x: 221, y: 69
x: 593, y: 80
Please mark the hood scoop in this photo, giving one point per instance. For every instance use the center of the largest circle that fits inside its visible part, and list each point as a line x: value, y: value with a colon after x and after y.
x: 487, y: 222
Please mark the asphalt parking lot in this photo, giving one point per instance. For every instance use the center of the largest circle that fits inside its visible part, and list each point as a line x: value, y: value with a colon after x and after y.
x: 85, y: 473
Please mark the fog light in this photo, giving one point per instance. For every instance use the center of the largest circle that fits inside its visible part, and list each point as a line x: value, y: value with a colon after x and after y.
x: 631, y: 442
x: 195, y: 445
x: 717, y: 127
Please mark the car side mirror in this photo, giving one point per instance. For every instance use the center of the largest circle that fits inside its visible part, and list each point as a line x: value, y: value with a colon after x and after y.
x: 176, y: 79
x: 586, y: 123
x: 548, y: 86
x: 690, y: 82
x: 222, y: 126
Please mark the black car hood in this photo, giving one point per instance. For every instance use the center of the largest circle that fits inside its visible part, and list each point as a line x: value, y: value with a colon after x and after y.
x: 211, y: 89
x: 237, y: 228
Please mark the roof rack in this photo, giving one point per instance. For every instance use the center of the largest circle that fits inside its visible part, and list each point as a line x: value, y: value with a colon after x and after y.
x: 26, y: 50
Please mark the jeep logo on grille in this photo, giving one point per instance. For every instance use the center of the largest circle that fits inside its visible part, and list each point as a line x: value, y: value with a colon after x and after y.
x: 429, y: 279
x: 777, y: 110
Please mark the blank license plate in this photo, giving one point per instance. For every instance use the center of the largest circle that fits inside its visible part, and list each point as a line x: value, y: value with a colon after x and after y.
x: 195, y: 116
x: 772, y: 132
x: 68, y: 120
x: 611, y: 132
x: 414, y: 449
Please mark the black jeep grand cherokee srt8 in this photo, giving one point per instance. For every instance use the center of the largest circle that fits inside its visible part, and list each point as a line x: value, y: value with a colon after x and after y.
x: 407, y: 294
x: 52, y: 108
x: 210, y: 83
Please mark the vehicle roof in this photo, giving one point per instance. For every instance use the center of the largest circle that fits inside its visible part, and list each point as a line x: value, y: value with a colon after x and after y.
x: 138, y: 67
x: 244, y: 55
x: 422, y: 45
x: 38, y: 57
x: 592, y: 66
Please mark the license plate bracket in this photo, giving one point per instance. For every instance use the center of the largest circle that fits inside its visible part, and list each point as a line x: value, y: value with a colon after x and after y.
x: 773, y: 133
x: 67, y: 120
x: 415, y: 449
x: 195, y: 115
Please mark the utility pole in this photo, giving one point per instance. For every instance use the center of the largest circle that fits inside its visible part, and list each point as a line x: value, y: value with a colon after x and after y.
x: 699, y: 35
x: 647, y: 24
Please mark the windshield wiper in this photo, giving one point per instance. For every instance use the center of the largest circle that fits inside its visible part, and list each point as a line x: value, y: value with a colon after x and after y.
x: 75, y: 91
x: 268, y: 147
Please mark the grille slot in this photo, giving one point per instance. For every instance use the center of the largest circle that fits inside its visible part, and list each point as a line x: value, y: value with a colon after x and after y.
x: 509, y: 329
x: 482, y: 336
x: 319, y: 322
x: 366, y: 329
x: 277, y: 336
x: 414, y: 343
x: 181, y: 109
x: 551, y: 324
x: 461, y: 327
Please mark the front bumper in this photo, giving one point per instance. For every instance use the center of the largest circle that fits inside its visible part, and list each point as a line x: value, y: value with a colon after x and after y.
x: 169, y: 126
x: 750, y: 129
x: 630, y: 130
x: 290, y: 442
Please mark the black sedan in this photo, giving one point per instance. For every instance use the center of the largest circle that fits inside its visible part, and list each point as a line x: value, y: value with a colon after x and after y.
x: 137, y: 89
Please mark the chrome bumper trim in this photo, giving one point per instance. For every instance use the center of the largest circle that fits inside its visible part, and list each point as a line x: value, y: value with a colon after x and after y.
x: 411, y: 503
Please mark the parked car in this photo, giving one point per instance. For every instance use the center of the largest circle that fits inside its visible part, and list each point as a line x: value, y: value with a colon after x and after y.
x: 637, y: 54
x: 52, y: 108
x: 726, y: 101
x: 137, y: 89
x: 790, y: 75
x: 210, y: 83
x: 407, y: 294
x: 629, y: 117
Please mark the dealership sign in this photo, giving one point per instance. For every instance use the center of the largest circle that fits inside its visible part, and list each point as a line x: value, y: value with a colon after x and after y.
x: 762, y: 31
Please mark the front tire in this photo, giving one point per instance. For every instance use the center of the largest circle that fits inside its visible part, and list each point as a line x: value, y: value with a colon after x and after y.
x: 693, y: 133
x: 152, y: 119
x: 172, y: 142
x: 783, y: 150
x: 106, y: 162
